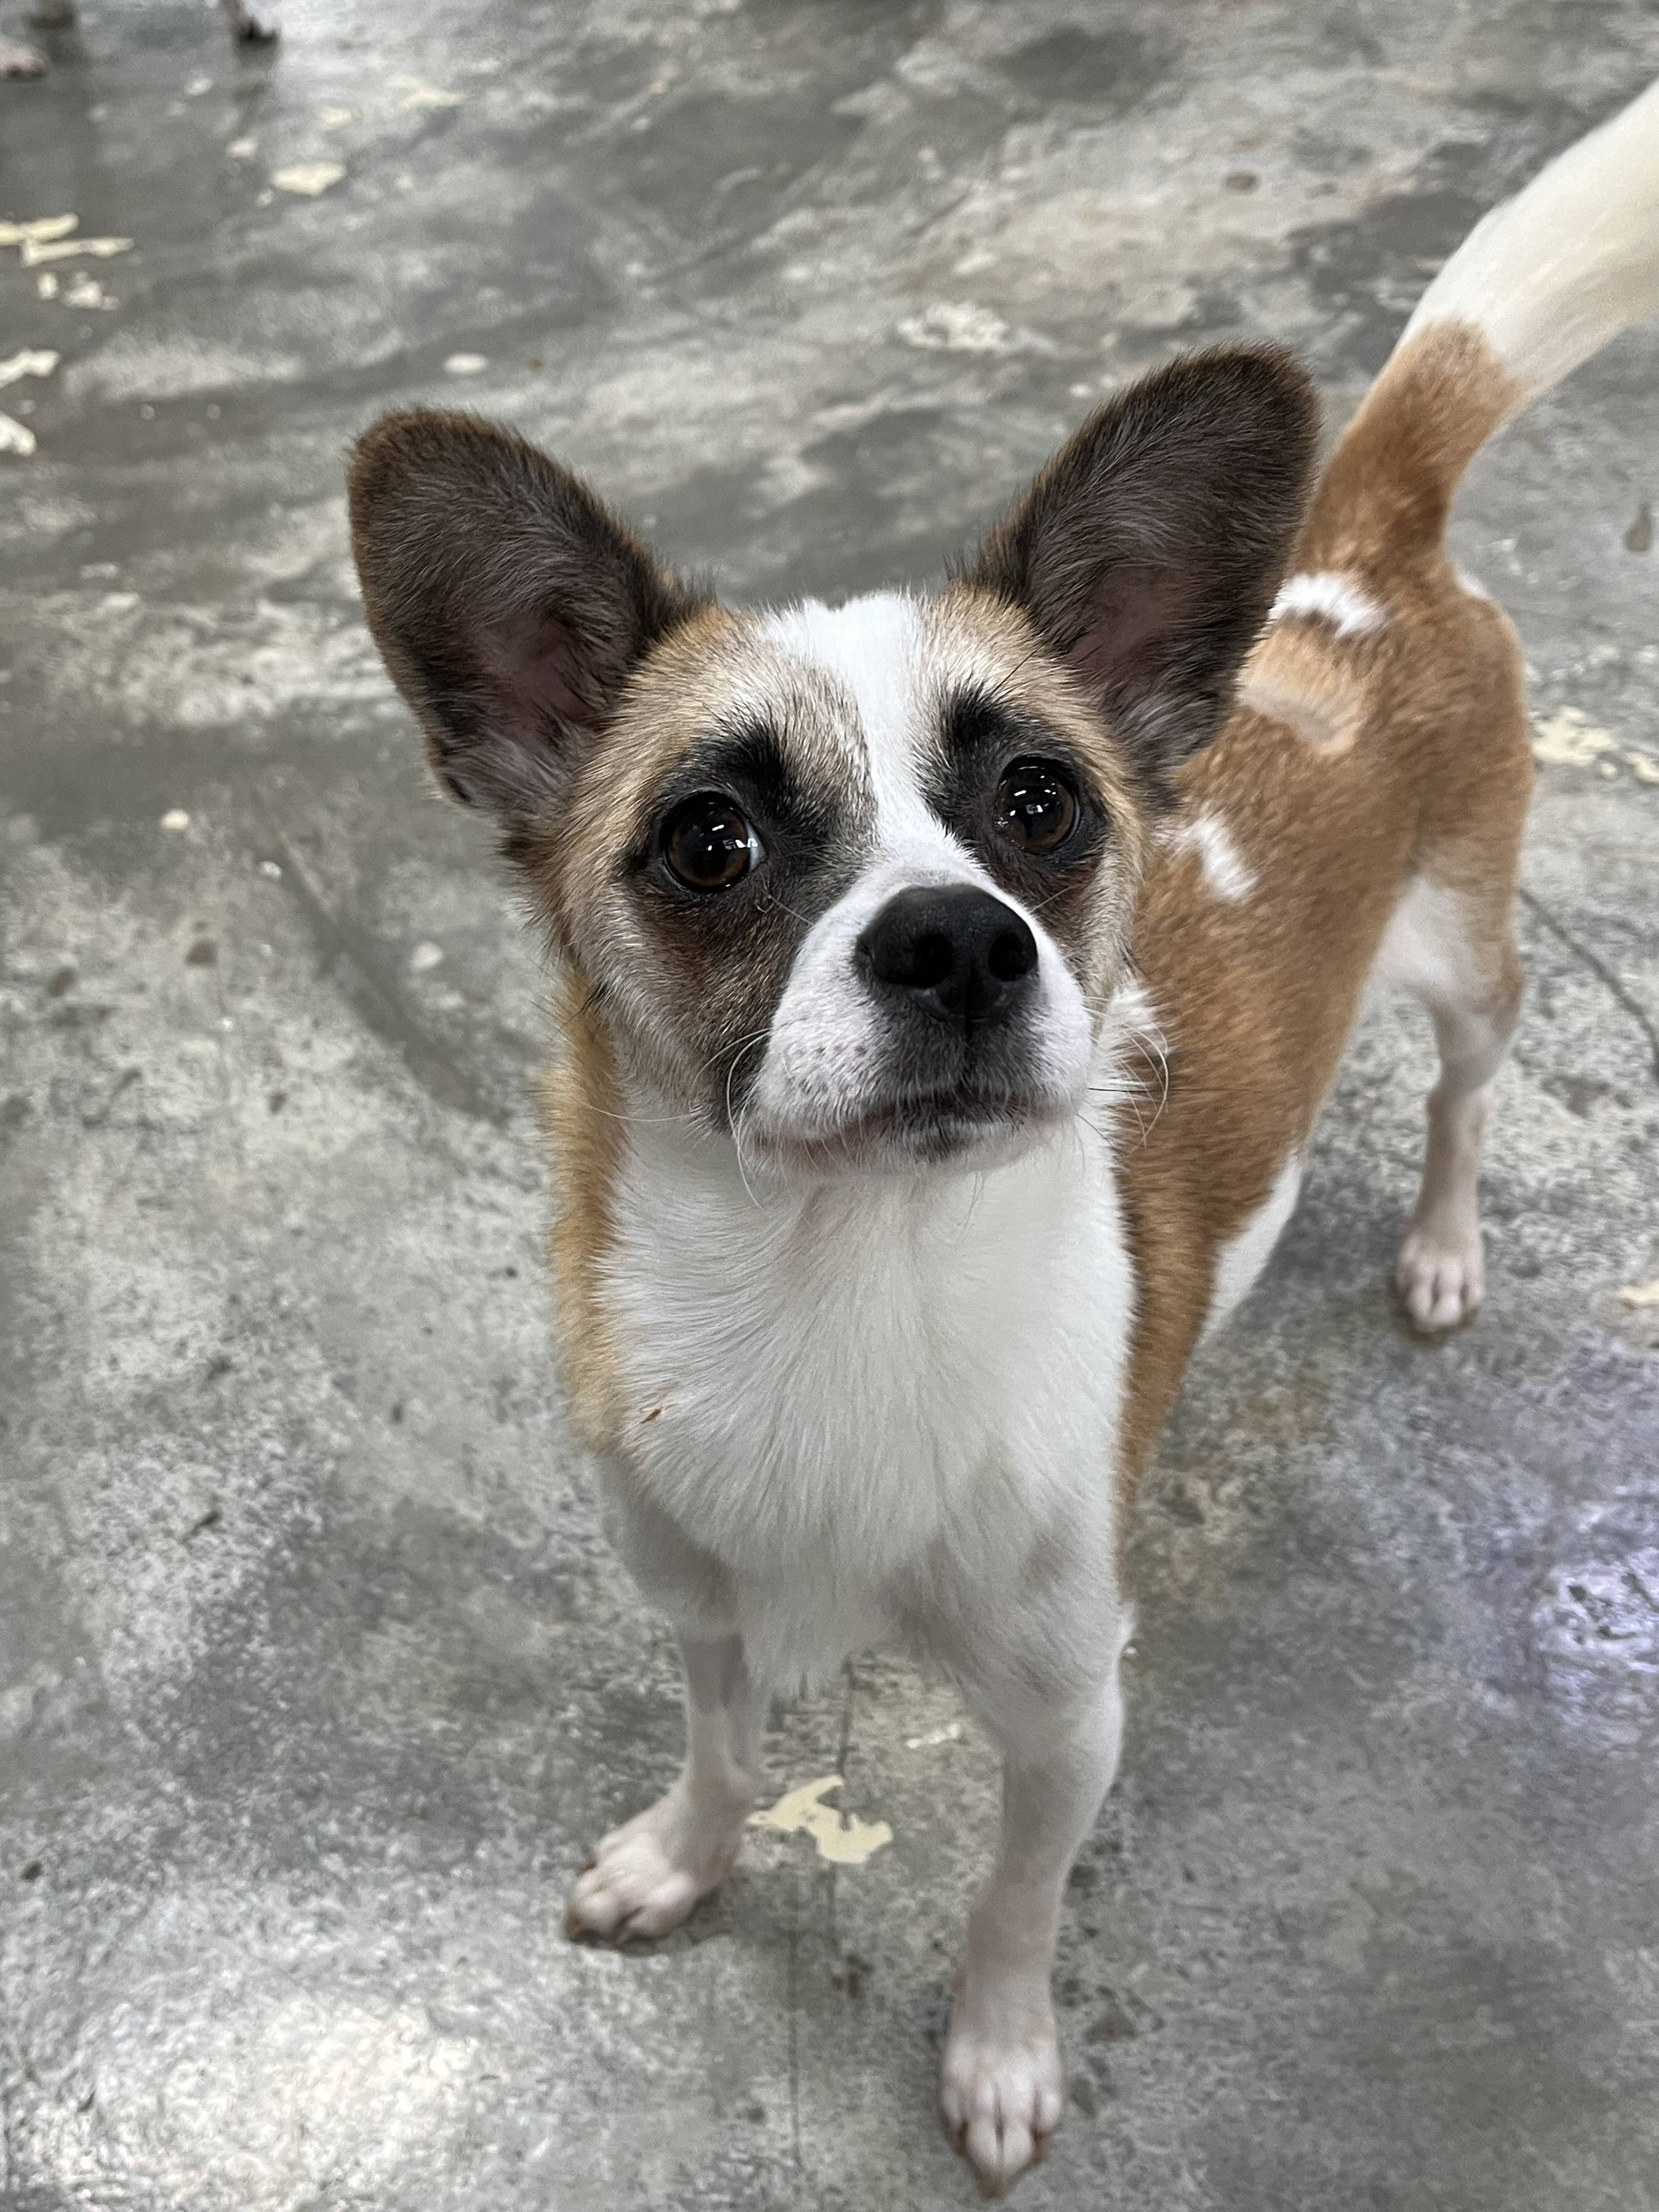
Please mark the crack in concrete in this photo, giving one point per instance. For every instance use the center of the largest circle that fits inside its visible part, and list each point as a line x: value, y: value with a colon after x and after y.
x: 1598, y: 968
x: 794, y: 2005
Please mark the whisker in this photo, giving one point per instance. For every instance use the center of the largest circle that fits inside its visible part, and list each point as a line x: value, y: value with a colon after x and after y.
x: 739, y: 1046
x: 645, y: 1120
x: 975, y: 1197
x: 784, y: 907
x: 735, y: 1121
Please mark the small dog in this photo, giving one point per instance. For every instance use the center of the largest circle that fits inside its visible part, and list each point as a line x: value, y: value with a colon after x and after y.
x: 949, y: 988
x: 249, y: 26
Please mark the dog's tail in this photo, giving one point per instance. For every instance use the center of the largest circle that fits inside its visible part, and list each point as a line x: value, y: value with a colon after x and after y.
x: 1538, y: 286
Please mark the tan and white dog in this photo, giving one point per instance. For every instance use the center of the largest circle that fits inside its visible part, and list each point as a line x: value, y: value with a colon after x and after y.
x: 950, y: 986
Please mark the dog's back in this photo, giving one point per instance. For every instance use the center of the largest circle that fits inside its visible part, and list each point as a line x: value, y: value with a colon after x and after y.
x: 1363, y: 810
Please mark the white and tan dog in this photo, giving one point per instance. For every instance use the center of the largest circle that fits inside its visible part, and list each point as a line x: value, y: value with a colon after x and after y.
x: 950, y: 986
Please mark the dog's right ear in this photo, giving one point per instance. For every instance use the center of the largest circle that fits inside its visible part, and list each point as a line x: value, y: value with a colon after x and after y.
x: 508, y: 604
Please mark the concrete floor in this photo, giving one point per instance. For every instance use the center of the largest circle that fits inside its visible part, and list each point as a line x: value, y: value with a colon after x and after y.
x: 316, y: 1676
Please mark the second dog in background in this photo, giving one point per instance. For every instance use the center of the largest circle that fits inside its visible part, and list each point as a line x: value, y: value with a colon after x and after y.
x: 250, y: 25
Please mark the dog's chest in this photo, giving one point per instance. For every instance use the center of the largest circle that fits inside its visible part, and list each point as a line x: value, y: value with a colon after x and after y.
x: 872, y: 1371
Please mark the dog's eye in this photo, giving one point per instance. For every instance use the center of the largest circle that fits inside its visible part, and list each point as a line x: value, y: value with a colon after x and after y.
x: 1036, y: 805
x: 709, y: 844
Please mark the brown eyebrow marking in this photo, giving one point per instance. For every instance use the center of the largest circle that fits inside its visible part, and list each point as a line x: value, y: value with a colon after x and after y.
x: 809, y: 816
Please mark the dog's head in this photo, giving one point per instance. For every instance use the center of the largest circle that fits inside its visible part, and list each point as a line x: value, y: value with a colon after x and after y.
x: 854, y: 884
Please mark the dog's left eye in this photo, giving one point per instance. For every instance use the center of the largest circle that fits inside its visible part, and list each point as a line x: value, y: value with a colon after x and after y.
x: 1036, y: 805
x: 709, y: 844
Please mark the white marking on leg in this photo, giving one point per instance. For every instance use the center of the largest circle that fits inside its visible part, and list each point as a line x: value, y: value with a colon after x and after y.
x: 1225, y: 875
x: 1246, y: 1253
x: 1430, y: 947
x: 1426, y: 946
x: 1329, y: 598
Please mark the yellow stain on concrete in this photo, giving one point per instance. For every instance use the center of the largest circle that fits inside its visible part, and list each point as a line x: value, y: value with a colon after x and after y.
x: 1571, y: 739
x: 418, y: 94
x: 34, y: 250
x: 840, y: 1837
x: 952, y: 1732
x: 309, y: 178
x: 39, y: 228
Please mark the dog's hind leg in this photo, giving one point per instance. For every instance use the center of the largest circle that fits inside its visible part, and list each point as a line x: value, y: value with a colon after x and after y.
x: 1451, y: 942
x: 646, y: 1876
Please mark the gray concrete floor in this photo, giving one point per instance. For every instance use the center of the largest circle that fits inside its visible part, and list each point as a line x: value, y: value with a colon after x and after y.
x: 316, y: 1676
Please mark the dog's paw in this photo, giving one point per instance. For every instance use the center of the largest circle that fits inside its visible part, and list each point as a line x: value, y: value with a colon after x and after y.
x: 20, y: 61
x: 1002, y: 2089
x: 646, y: 1876
x: 1440, y: 1278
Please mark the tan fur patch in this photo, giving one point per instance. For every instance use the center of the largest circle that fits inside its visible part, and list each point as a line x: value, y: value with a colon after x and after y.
x: 700, y: 671
x: 1312, y: 682
x: 1014, y: 659
x: 682, y: 997
x: 1419, y: 764
x: 1385, y: 495
x: 581, y: 1115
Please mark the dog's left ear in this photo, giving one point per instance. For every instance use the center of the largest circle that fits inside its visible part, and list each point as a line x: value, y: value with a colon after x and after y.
x: 509, y: 605
x: 1148, y: 552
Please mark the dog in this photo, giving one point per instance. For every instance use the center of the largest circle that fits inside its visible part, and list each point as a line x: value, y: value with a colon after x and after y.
x: 250, y: 26
x: 949, y: 988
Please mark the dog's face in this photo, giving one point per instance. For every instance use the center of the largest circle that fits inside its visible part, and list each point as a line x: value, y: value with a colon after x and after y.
x: 852, y: 882
x: 854, y: 885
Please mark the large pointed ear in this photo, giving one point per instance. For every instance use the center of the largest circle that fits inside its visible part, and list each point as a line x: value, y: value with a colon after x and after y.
x: 508, y: 604
x: 1148, y: 552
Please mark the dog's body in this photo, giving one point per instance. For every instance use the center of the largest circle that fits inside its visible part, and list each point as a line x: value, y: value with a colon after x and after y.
x: 950, y: 990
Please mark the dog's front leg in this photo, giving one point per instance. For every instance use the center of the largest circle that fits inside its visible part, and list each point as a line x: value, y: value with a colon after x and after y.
x: 1003, y: 2088
x: 646, y: 1876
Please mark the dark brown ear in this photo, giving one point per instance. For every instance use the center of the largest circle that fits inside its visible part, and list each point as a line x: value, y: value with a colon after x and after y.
x: 1148, y: 552
x: 508, y: 604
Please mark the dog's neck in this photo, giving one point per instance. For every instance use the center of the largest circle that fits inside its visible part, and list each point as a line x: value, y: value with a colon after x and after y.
x: 822, y: 1378
x: 821, y: 1383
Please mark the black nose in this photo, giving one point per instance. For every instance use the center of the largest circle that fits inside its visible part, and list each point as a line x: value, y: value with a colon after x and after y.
x: 958, y: 952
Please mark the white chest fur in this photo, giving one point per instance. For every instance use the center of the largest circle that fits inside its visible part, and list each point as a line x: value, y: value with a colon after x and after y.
x: 881, y: 1379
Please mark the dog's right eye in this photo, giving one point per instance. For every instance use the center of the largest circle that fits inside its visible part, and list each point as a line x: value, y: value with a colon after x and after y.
x: 1036, y: 806
x: 709, y: 844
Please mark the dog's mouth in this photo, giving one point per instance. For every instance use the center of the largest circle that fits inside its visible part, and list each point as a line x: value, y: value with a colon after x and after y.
x: 926, y: 1130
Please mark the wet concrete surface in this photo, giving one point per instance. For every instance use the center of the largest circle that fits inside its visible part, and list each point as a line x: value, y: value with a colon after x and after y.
x: 318, y: 1677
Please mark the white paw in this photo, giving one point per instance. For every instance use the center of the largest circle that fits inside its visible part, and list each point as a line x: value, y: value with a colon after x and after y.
x: 1002, y: 2089
x: 1440, y: 1278
x: 20, y: 61
x: 646, y: 1876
